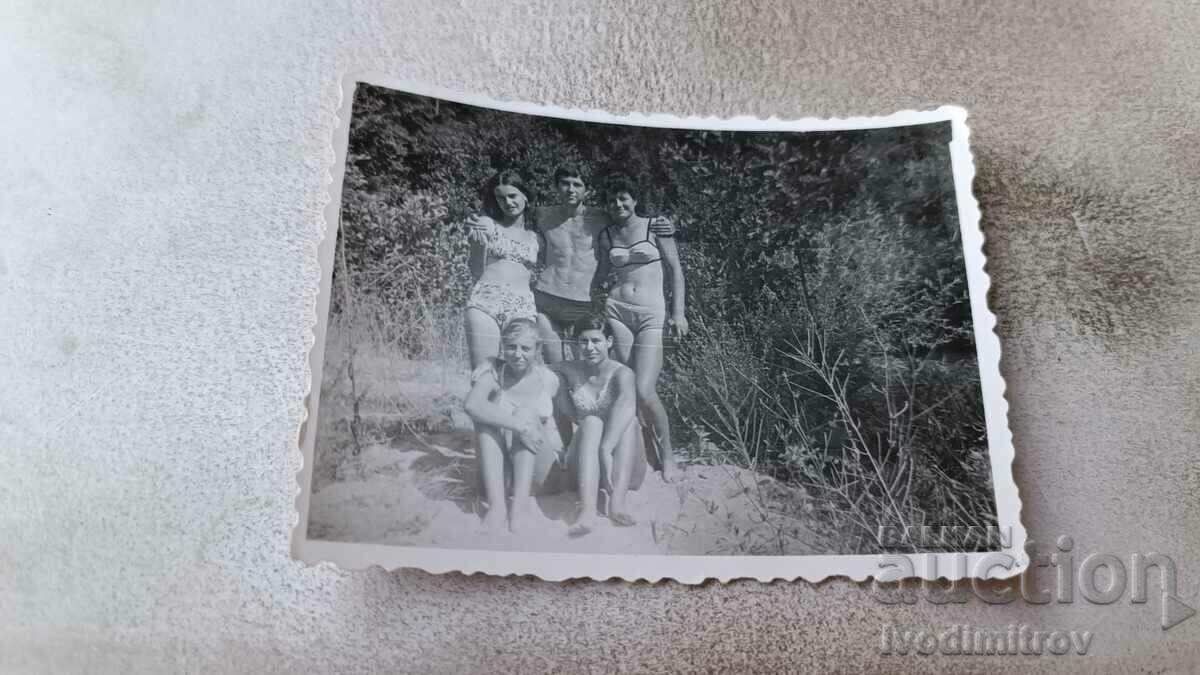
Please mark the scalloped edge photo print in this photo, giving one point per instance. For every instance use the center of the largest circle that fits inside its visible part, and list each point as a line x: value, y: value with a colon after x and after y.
x: 572, y: 344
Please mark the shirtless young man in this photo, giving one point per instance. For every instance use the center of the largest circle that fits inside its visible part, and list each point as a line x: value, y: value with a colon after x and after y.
x: 567, y: 289
x: 568, y: 285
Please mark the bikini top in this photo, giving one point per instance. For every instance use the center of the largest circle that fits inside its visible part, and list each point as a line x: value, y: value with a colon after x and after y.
x: 588, y: 404
x: 640, y: 253
x: 500, y: 246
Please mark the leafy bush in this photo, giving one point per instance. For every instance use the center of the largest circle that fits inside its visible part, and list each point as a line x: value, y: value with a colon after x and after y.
x: 832, y: 344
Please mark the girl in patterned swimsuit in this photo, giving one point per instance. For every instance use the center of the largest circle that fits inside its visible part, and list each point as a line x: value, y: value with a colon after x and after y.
x: 512, y: 404
x: 502, y: 264
x: 600, y: 394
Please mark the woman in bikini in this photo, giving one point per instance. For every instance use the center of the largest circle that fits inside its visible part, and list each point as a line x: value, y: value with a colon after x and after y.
x: 637, y: 308
x: 599, y: 394
x: 502, y: 263
x: 512, y: 404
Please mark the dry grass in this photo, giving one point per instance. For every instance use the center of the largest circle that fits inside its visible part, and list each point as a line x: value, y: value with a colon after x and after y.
x: 852, y: 472
x: 373, y: 392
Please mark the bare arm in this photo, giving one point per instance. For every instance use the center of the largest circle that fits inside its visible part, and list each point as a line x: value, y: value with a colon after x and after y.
x: 623, y: 409
x: 670, y: 258
x: 477, y: 255
x: 483, y: 411
x: 602, y: 266
x: 538, y: 216
x: 480, y: 228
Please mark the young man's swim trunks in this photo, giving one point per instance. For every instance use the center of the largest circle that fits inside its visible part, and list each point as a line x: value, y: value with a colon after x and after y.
x: 562, y: 312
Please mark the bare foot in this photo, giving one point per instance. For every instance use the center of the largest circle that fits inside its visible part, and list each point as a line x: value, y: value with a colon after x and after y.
x: 495, y: 521
x: 671, y: 473
x: 583, y: 526
x: 622, y: 519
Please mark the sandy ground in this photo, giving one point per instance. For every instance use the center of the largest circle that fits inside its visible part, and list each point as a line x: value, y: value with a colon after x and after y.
x: 418, y: 493
x: 413, y: 482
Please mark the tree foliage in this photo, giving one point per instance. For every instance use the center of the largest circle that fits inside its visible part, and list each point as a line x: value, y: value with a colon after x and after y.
x: 825, y: 279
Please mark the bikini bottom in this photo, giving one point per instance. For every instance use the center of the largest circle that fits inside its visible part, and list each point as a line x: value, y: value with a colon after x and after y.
x: 636, y: 318
x: 502, y: 302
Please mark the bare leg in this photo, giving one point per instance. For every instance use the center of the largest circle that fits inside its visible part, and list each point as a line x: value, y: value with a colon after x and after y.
x: 624, y: 457
x: 570, y: 477
x: 586, y: 448
x: 649, y: 446
x: 566, y: 431
x: 491, y: 473
x: 483, y: 336
x: 547, y: 475
x: 622, y: 341
x: 623, y: 346
x: 647, y: 364
x: 606, y: 471
x: 604, y: 505
x: 637, y: 474
x: 523, y: 461
x: 552, y: 346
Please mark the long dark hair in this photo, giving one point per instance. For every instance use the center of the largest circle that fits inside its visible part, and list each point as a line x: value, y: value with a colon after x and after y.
x: 512, y: 178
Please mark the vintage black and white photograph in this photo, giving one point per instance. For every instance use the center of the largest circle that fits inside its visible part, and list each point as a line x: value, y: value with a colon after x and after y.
x: 651, y: 342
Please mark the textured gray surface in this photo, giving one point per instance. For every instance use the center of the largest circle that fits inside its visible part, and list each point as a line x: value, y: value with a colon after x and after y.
x: 164, y: 174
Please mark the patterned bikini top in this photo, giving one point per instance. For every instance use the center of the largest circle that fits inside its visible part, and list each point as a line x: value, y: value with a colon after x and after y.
x: 500, y: 246
x: 587, y: 404
x: 640, y: 253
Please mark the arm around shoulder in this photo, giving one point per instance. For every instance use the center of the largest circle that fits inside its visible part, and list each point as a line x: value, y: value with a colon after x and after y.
x: 662, y: 227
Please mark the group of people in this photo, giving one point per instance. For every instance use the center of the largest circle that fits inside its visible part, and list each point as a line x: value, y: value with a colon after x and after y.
x: 563, y: 389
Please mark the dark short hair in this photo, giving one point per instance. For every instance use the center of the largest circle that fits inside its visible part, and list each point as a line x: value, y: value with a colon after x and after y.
x: 515, y: 179
x: 591, y: 322
x: 620, y: 183
x: 569, y: 171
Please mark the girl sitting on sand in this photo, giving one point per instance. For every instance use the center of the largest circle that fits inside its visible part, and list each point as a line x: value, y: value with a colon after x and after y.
x: 512, y: 404
x: 601, y: 396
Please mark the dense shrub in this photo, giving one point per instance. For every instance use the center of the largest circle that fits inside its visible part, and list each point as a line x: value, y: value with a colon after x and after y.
x: 832, y: 343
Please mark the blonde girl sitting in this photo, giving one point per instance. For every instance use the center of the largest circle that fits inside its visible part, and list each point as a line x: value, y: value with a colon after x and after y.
x: 512, y: 404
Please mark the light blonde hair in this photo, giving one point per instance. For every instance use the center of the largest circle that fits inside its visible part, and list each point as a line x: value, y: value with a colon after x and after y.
x: 515, y: 327
x: 519, y: 325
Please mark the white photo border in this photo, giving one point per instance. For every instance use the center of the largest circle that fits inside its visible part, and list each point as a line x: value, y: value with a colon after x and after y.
x: 1009, y: 561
